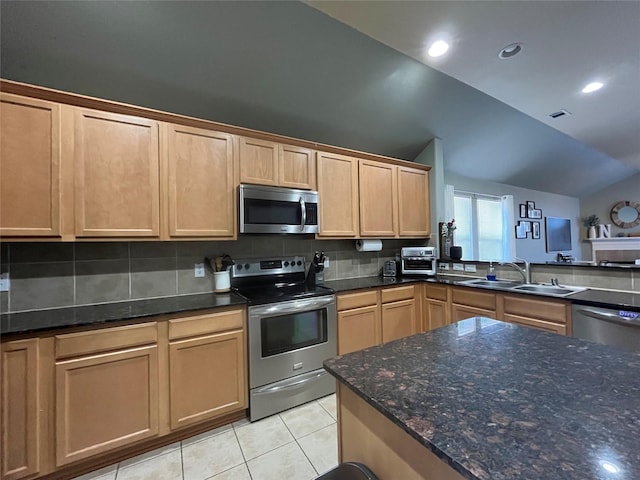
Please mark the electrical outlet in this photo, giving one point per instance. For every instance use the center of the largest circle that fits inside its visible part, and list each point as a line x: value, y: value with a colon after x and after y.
x: 326, y: 262
x: 444, y: 266
x: 5, y: 282
x: 469, y: 268
x: 458, y: 266
x: 198, y: 270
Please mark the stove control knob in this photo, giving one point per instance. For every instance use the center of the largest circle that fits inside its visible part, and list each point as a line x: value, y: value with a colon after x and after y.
x: 299, y: 262
x: 239, y: 267
x: 246, y: 266
x: 286, y: 264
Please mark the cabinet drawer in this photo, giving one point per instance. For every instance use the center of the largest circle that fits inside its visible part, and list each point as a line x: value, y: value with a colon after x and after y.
x: 94, y: 341
x: 205, y: 324
x: 357, y: 300
x: 397, y: 293
x: 550, y: 310
x: 437, y: 292
x: 537, y: 324
x: 467, y: 296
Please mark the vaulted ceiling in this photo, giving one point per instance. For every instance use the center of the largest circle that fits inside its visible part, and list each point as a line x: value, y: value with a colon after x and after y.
x: 288, y: 68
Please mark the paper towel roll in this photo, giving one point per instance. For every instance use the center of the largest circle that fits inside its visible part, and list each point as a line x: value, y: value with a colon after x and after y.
x: 368, y: 245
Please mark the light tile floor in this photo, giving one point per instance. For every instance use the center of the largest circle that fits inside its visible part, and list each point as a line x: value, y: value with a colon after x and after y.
x: 298, y: 444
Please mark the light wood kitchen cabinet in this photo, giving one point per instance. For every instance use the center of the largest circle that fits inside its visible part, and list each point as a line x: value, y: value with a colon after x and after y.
x: 258, y: 161
x: 107, y: 390
x: 398, y: 312
x: 436, y: 307
x: 413, y: 203
x: 359, y: 323
x: 116, y: 161
x: 207, y: 367
x: 199, y: 182
x: 469, y: 302
x: 378, y: 199
x: 21, y: 409
x: 296, y: 167
x: 338, y: 195
x: 30, y: 156
x: 549, y: 315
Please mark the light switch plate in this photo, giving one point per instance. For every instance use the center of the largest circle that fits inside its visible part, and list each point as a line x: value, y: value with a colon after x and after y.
x: 198, y: 270
x: 326, y: 261
x: 5, y: 282
x: 469, y: 268
x: 444, y: 266
x: 458, y: 266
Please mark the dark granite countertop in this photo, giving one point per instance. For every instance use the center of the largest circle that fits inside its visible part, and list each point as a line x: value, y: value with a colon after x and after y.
x: 108, y: 312
x: 501, y: 402
x: 347, y: 284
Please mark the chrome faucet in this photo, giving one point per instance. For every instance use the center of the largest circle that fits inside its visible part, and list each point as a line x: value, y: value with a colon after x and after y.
x: 525, y: 272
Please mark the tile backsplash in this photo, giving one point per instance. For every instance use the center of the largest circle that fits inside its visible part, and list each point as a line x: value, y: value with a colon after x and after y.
x: 46, y: 275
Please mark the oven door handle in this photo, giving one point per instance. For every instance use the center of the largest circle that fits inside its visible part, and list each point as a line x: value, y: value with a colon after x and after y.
x: 293, y: 306
x: 289, y: 386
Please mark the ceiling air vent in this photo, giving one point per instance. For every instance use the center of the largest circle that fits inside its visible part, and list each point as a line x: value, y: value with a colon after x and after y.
x: 560, y: 113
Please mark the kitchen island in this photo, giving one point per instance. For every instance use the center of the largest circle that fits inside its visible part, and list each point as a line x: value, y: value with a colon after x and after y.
x: 487, y: 400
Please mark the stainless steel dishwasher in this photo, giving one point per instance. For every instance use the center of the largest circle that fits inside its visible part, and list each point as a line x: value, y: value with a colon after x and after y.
x: 615, y: 327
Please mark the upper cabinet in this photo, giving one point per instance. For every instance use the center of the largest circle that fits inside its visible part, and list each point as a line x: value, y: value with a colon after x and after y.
x: 413, y: 202
x: 116, y: 175
x: 338, y: 195
x: 30, y: 182
x: 269, y: 163
x: 200, y: 182
x: 378, y: 199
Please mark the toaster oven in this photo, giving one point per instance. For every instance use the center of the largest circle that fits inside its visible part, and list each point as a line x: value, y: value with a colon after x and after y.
x: 418, y: 261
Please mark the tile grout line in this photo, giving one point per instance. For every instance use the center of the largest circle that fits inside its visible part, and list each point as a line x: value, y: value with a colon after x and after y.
x: 298, y: 443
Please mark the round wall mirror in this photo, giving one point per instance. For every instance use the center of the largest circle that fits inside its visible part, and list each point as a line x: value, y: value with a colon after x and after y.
x: 626, y: 214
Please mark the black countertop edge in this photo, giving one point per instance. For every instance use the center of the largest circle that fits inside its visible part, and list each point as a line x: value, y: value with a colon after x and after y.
x: 55, y: 318
x: 594, y: 297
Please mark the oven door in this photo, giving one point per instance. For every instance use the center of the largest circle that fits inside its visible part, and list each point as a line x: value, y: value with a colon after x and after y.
x: 290, y: 338
x: 419, y: 265
x: 277, y: 210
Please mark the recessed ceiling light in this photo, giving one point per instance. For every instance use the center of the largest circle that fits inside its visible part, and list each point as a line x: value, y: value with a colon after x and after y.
x: 438, y: 48
x: 510, y: 51
x: 609, y: 466
x: 592, y: 87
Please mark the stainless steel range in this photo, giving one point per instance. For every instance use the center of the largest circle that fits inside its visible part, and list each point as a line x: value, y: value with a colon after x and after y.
x: 292, y: 329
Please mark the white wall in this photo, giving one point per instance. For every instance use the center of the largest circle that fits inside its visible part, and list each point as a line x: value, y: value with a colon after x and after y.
x: 552, y: 205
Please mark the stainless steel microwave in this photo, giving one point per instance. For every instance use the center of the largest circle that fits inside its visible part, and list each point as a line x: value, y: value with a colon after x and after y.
x: 277, y: 210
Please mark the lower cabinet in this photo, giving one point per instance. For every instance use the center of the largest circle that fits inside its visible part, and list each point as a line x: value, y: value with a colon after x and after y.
x: 106, y: 390
x: 206, y: 372
x: 470, y: 302
x: 435, y: 307
x: 21, y: 409
x: 549, y: 315
x: 375, y: 316
x: 70, y: 399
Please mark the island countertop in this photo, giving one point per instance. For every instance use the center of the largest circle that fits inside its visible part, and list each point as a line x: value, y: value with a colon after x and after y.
x: 497, y: 401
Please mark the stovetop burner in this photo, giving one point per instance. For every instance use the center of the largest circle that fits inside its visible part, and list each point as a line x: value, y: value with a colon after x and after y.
x: 274, y: 280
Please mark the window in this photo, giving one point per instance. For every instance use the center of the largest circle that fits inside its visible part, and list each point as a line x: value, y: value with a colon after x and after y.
x: 479, y: 226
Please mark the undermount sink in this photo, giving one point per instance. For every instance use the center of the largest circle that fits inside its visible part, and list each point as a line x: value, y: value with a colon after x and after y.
x: 491, y: 283
x: 559, y: 291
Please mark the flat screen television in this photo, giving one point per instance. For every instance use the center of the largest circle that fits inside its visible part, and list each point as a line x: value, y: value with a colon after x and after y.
x: 558, y: 234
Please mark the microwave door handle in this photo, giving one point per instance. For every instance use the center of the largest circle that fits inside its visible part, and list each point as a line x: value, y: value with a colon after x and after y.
x: 303, y: 209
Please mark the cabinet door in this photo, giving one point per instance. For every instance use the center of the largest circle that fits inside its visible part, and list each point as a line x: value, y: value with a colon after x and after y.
x: 536, y: 323
x: 21, y: 409
x: 29, y: 167
x: 201, y: 193
x: 207, y: 377
x: 297, y: 167
x: 117, y: 175
x: 105, y: 401
x: 461, y: 312
x: 358, y: 328
x: 378, y: 199
x: 413, y: 203
x: 398, y: 320
x: 338, y: 192
x: 435, y: 314
x: 258, y: 161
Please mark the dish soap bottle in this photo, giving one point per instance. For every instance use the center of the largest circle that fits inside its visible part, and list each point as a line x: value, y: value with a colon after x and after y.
x: 491, y: 272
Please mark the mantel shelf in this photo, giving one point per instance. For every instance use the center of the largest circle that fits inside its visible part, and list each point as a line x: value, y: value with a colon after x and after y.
x: 615, y: 243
